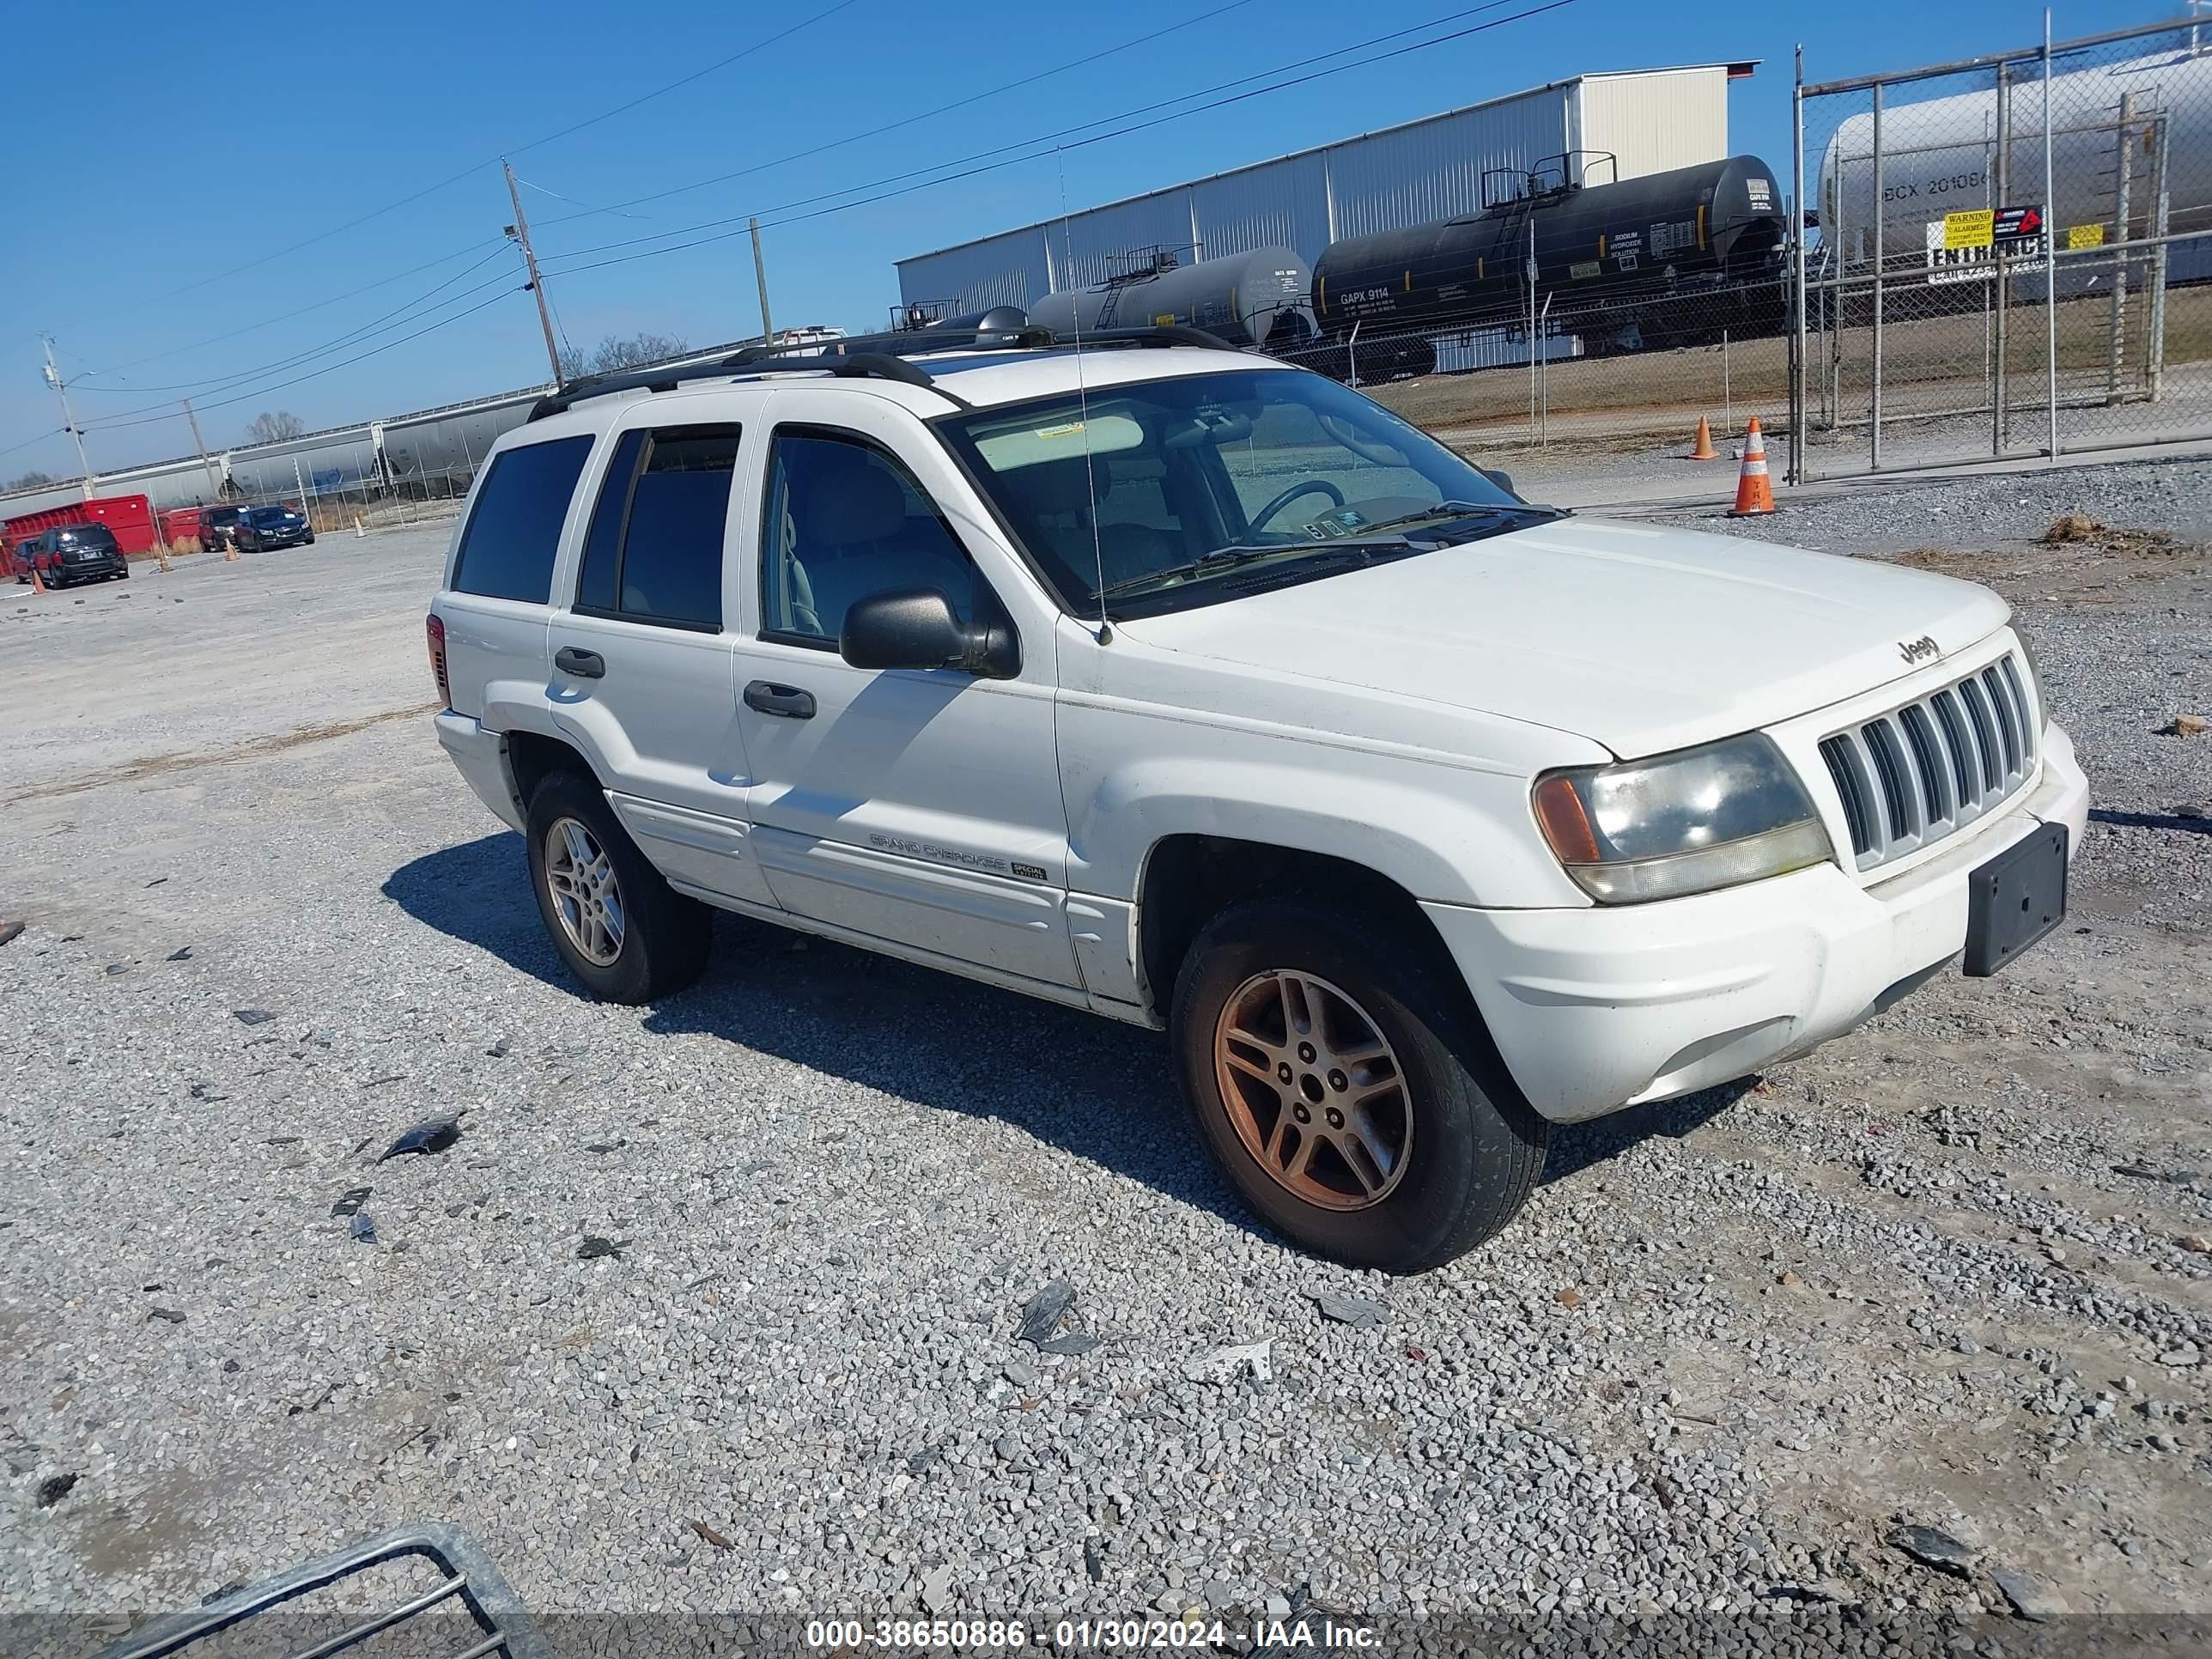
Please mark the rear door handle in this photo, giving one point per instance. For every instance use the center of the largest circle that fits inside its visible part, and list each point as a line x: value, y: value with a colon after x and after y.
x: 788, y: 700
x: 584, y: 664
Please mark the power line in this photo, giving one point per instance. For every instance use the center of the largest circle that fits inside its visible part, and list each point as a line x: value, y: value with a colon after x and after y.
x: 307, y: 354
x: 904, y: 121
x: 263, y: 391
x: 1032, y: 145
x: 720, y: 63
x: 287, y: 316
x: 474, y: 166
x: 588, y: 209
x: 617, y: 208
x: 50, y: 432
x: 1036, y: 143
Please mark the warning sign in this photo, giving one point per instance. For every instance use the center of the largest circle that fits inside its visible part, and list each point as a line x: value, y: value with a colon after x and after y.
x: 2020, y: 224
x: 2084, y: 236
x: 1972, y: 228
x: 1978, y: 263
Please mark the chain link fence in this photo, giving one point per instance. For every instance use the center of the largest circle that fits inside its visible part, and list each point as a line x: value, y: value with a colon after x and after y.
x: 2013, y: 256
x: 1629, y: 367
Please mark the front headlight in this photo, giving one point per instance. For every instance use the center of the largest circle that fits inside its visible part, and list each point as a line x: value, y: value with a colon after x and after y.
x: 1685, y: 822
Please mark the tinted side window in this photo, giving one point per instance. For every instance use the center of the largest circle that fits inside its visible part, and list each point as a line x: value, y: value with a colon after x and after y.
x: 844, y: 521
x: 514, y: 530
x: 595, y: 582
x: 671, y: 569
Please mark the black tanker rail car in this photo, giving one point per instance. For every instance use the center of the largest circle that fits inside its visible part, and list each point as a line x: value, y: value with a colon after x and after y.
x: 1258, y: 298
x: 1598, y: 250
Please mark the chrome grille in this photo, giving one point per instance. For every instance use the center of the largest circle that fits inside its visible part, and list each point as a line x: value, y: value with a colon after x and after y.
x: 1918, y: 773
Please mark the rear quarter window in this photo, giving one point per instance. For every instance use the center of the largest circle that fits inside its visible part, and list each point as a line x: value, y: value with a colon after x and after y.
x: 513, y: 530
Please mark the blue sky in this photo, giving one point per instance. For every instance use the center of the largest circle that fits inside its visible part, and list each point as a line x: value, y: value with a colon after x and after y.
x: 188, y: 147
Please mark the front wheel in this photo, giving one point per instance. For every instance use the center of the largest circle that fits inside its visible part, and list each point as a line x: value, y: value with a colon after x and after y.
x: 624, y: 932
x: 1345, y: 1085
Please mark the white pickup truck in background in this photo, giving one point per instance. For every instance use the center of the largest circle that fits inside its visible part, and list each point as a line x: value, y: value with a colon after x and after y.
x: 1207, y: 694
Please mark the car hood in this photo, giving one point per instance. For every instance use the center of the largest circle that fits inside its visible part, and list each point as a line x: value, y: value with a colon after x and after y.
x: 1642, y: 639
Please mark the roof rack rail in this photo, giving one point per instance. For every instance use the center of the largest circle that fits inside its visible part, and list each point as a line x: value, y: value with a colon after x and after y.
x: 881, y: 357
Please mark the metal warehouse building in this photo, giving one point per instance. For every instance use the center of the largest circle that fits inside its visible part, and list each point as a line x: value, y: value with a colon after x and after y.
x: 1649, y: 120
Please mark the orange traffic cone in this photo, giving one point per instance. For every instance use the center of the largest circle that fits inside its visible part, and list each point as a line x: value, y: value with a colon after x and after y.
x: 1753, y: 493
x: 1703, y: 450
x: 230, y: 551
x: 37, y: 585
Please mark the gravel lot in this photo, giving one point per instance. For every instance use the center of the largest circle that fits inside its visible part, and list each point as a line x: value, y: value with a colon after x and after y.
x: 1735, y: 1342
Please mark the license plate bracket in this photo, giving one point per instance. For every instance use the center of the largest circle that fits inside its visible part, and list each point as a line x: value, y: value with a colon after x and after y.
x: 2015, y: 899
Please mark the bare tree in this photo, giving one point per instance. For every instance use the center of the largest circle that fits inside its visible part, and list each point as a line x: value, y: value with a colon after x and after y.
x: 274, y: 426
x: 615, y: 352
x: 28, y: 481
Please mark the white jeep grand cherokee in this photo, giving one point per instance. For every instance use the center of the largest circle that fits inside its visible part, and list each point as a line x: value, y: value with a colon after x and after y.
x: 1207, y: 694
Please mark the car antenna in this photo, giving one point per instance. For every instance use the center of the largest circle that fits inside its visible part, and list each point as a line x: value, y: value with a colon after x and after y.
x: 1083, y: 412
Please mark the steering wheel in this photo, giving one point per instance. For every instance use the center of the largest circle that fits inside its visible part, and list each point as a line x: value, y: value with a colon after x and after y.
x: 1310, y: 486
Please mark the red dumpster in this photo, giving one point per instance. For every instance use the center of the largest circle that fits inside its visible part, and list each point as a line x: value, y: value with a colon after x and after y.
x: 131, y: 518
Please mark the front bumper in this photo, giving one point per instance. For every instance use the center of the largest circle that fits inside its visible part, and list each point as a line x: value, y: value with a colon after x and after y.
x: 482, y: 757
x: 1599, y: 1008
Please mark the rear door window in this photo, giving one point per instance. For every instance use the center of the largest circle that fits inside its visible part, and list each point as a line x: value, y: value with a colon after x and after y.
x: 513, y: 532
x: 654, y: 553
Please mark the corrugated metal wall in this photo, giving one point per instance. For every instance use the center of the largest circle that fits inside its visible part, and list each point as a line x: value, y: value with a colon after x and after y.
x: 1404, y: 175
x: 1008, y: 269
x: 1092, y: 239
x: 1433, y: 169
x: 1285, y: 204
x: 1655, y: 120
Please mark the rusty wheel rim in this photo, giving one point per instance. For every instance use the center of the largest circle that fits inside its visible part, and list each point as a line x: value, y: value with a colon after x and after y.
x: 1313, y: 1090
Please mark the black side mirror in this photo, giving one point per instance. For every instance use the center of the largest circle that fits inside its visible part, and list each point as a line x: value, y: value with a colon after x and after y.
x: 1503, y: 480
x: 916, y: 628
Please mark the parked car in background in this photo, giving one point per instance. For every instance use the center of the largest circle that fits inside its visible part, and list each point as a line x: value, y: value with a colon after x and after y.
x: 260, y: 528
x: 219, y: 527
x: 77, y: 553
x: 18, y: 558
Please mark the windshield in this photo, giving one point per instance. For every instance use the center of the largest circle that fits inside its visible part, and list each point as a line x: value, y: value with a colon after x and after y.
x: 1156, y: 492
x: 269, y: 514
x: 92, y: 538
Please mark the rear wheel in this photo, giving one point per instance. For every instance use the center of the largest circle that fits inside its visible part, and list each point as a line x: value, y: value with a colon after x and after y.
x: 626, y: 934
x: 1344, y: 1085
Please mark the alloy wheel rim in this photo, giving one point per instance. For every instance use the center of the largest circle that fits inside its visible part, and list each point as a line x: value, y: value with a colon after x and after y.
x: 1313, y: 1090
x: 585, y: 894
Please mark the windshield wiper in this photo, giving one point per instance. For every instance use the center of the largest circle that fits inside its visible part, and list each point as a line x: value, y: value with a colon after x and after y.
x: 1227, y: 558
x: 1464, y: 510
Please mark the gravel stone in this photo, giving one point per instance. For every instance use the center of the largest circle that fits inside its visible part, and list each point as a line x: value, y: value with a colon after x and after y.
x: 1355, y: 1311
x: 834, y: 1200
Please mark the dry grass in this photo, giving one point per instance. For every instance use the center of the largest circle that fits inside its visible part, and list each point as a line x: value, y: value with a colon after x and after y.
x: 2069, y: 528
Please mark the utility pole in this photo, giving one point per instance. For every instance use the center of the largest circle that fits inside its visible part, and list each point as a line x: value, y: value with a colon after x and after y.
x: 520, y: 231
x: 214, y: 488
x: 68, y: 419
x: 760, y: 276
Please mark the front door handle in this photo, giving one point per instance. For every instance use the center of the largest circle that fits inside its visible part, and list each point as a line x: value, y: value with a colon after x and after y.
x: 788, y: 700
x: 584, y: 664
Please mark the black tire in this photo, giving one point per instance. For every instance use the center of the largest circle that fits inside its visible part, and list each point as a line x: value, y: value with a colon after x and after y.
x: 665, y: 936
x: 310, y: 542
x: 1475, y: 1147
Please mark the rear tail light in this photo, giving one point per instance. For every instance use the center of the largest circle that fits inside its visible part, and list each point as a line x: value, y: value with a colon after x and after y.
x: 434, y: 626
